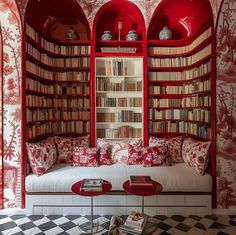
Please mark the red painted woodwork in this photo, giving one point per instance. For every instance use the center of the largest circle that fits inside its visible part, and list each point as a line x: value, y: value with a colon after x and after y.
x: 76, y: 188
x: 183, y: 17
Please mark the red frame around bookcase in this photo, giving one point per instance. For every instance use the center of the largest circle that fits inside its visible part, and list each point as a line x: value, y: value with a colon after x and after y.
x: 106, y: 20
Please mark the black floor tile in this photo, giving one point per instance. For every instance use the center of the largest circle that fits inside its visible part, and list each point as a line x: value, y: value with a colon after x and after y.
x: 183, y: 227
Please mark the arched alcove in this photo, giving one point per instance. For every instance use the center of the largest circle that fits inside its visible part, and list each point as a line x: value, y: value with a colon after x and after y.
x: 183, y: 17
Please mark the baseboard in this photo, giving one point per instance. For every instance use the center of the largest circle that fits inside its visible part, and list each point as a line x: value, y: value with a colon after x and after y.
x: 10, y: 212
x: 219, y: 211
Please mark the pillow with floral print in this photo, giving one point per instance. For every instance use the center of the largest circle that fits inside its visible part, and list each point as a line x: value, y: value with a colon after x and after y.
x: 119, y: 149
x: 42, y: 155
x: 104, y: 157
x: 174, y: 149
x: 196, y: 154
x: 135, y: 155
x: 66, y: 145
x: 86, y: 157
x: 153, y: 157
x: 161, y: 143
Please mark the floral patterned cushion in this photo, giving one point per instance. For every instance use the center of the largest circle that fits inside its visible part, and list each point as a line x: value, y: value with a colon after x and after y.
x: 105, y: 154
x: 135, y: 155
x: 84, y: 156
x: 119, y: 150
x: 161, y: 143
x: 42, y: 155
x: 196, y: 154
x: 66, y: 145
x: 153, y: 157
x: 174, y: 149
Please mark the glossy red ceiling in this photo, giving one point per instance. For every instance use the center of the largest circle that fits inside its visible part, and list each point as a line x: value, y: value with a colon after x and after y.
x: 43, y: 13
x: 116, y: 11
x: 183, y: 17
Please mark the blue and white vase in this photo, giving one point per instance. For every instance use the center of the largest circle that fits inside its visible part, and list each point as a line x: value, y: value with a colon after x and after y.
x: 165, y: 34
x: 131, y: 36
x: 107, y: 35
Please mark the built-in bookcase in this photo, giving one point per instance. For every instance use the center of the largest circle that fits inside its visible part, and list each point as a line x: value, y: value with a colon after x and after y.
x: 57, y: 86
x: 179, y: 86
x: 119, y: 97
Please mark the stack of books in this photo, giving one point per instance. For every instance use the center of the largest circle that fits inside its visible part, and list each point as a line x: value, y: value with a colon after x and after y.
x: 140, y: 182
x: 91, y: 185
x: 134, y: 224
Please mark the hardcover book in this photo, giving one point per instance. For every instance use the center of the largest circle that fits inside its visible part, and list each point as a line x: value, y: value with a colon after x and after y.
x: 143, y: 181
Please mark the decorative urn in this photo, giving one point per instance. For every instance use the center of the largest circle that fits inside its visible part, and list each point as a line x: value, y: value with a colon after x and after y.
x: 107, y: 35
x: 71, y: 34
x: 131, y: 36
x: 165, y: 33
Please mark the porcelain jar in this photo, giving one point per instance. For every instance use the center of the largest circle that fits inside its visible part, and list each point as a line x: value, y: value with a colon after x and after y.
x: 107, y: 35
x: 165, y: 33
x: 131, y: 36
x: 71, y: 34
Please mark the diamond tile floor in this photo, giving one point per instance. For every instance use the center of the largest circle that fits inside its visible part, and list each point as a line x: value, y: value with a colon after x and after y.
x: 174, y: 225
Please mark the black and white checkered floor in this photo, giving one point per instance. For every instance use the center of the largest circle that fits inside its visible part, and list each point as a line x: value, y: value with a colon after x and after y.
x: 57, y: 224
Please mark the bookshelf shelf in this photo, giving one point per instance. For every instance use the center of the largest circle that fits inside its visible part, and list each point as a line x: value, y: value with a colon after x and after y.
x: 57, y: 86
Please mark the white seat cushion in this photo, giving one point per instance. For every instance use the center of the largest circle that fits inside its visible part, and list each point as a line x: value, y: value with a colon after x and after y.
x: 176, y: 178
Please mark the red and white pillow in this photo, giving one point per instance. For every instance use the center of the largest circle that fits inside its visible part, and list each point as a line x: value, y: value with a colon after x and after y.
x: 66, y: 145
x: 196, y: 154
x: 42, y: 155
x: 104, y: 154
x: 153, y: 157
x: 119, y: 150
x: 86, y: 157
x: 135, y: 155
x: 146, y: 156
x: 174, y: 149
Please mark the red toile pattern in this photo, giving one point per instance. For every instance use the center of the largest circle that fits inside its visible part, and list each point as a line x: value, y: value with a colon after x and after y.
x: 1, y: 159
x: 105, y: 154
x: 196, y: 154
x: 135, y: 155
x: 66, y: 145
x: 86, y: 157
x: 41, y: 155
x: 174, y: 149
x: 226, y: 106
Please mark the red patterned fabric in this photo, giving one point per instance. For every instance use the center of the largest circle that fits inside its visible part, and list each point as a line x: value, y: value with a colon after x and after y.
x: 42, y: 155
x: 119, y: 150
x: 161, y: 143
x: 66, y: 145
x: 196, y: 154
x: 84, y: 156
x: 135, y: 155
x: 153, y: 157
x: 174, y: 149
x: 105, y: 154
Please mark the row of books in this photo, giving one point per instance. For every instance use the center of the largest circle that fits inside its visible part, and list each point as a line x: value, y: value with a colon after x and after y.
x: 55, y: 48
x: 180, y: 127
x: 120, y: 132
x: 81, y: 88
x: 186, y: 74
x: 68, y: 115
x: 39, y: 115
x: 39, y: 71
x: 121, y: 116
x: 91, y: 185
x: 71, y: 127
x: 39, y: 129
x: 102, y: 85
x: 184, y: 89
x: 202, y: 115
x: 119, y: 102
x: 72, y: 76
x: 180, y: 61
x: 38, y: 86
x: 184, y: 49
x: 57, y: 62
x: 58, y: 102
x: 194, y: 101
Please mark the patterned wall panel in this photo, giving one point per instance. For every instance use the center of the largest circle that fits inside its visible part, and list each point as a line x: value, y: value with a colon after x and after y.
x: 226, y: 106
x: 12, y: 103
x: 1, y: 157
x: 11, y: 115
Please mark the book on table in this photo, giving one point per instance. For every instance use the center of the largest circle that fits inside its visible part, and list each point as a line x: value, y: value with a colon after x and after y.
x: 139, y: 181
x: 90, y: 185
x: 134, y: 223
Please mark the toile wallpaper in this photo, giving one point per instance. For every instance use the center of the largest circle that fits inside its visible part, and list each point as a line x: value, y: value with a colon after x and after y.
x: 11, y: 106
